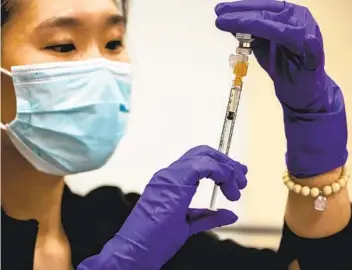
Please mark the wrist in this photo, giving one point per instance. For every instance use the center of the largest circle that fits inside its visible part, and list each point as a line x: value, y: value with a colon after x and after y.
x: 130, y: 255
x: 305, y: 221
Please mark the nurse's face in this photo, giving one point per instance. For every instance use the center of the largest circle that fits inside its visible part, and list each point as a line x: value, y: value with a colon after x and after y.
x: 40, y: 31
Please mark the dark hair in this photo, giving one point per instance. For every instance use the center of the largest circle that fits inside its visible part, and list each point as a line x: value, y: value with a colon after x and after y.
x: 7, y: 7
x: 125, y: 7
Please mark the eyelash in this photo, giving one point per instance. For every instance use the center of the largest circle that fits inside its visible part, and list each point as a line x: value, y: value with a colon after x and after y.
x: 116, y: 44
x: 61, y: 48
x: 69, y: 47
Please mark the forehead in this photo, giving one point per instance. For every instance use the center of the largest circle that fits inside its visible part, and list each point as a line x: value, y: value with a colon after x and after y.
x: 40, y: 10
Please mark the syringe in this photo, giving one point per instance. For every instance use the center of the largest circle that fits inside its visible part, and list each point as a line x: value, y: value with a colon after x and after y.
x: 239, y: 65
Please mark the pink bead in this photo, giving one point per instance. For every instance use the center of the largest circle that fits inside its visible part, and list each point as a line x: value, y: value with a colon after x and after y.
x: 320, y: 203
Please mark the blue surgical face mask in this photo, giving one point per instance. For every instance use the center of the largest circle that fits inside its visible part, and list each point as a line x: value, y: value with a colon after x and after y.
x: 70, y: 115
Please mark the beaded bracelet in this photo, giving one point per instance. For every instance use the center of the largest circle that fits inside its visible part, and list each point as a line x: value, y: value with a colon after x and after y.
x: 320, y: 202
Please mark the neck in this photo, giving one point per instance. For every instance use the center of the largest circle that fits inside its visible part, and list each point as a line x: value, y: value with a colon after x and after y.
x: 30, y: 194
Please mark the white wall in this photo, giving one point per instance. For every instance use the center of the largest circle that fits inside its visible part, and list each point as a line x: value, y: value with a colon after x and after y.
x: 181, y: 87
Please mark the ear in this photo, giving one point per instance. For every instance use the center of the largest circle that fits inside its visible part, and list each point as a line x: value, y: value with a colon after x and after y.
x: 8, y: 99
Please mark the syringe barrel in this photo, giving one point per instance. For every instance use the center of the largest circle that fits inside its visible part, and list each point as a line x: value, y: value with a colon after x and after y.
x: 227, y: 131
x: 243, y: 50
x: 234, y: 99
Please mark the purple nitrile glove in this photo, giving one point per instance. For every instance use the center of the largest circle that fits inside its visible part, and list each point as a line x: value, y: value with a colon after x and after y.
x: 161, y: 221
x: 289, y: 46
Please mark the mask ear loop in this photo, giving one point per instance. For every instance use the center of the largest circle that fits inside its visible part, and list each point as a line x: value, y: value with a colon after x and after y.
x: 2, y: 126
x: 8, y: 73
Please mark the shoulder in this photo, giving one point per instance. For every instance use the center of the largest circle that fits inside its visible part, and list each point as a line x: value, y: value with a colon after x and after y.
x: 103, y: 204
x: 91, y: 220
x: 107, y: 198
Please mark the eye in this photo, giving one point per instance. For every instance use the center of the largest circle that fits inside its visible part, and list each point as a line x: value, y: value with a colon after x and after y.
x: 113, y: 45
x: 62, y: 48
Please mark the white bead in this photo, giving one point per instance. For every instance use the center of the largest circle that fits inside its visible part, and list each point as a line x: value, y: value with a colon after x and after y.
x: 290, y: 185
x: 314, y: 192
x: 297, y: 188
x: 344, y: 171
x: 342, y: 182
x: 335, y: 187
x: 305, y: 191
x: 327, y: 190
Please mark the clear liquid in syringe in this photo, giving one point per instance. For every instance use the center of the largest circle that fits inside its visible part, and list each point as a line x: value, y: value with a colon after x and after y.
x: 230, y: 119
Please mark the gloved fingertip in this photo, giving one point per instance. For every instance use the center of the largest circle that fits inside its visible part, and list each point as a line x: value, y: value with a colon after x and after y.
x: 240, y: 175
x: 231, y: 191
x: 237, y: 196
x: 244, y: 169
x: 226, y: 217
x: 218, y: 8
x: 242, y: 182
x: 218, y: 23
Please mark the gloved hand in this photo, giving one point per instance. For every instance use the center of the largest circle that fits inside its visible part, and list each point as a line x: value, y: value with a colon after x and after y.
x: 161, y: 222
x: 289, y: 46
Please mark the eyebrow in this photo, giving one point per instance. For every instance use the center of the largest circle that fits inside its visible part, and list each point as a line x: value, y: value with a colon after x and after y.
x: 57, y: 22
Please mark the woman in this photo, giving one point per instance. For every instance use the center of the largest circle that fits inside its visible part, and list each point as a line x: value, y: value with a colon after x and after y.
x: 63, y: 125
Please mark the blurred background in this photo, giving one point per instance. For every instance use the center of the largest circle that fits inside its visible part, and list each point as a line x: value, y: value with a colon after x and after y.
x: 181, y: 85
